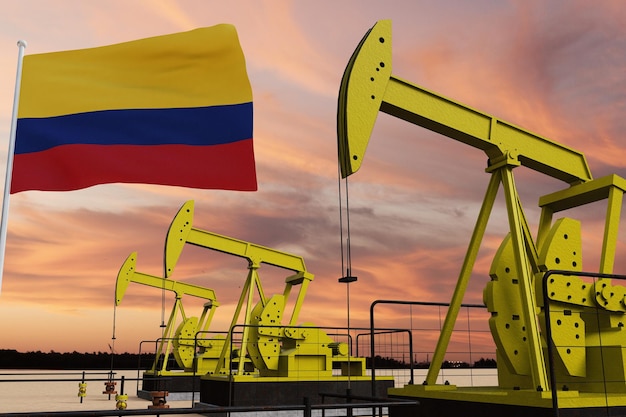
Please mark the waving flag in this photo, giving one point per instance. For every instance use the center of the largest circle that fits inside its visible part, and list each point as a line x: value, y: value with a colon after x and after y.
x: 171, y: 110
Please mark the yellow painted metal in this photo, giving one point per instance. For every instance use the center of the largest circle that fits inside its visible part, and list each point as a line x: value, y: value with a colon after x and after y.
x: 247, y: 296
x: 267, y: 348
x: 582, y: 194
x: 588, y: 336
x: 463, y: 280
x: 266, y: 334
x: 368, y: 86
x: 589, y: 319
x: 275, y: 350
x: 545, y: 224
x: 527, y: 295
x: 507, y: 322
x: 82, y: 389
x: 298, y: 352
x: 531, y: 259
x: 178, y: 337
x: 128, y: 273
x: 181, y: 232
x: 613, y: 212
x: 538, y: 399
x: 563, y: 250
x: 610, y: 188
x: 362, y: 89
x: 367, y: 75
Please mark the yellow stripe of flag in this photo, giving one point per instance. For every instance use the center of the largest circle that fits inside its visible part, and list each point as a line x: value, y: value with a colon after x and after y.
x: 202, y: 67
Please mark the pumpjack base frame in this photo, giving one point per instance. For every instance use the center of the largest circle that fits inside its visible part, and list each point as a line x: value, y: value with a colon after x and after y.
x: 449, y: 401
x: 259, y: 391
x: 179, y: 385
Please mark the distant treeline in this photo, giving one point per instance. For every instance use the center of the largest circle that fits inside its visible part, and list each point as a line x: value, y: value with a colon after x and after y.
x: 391, y: 363
x: 12, y: 359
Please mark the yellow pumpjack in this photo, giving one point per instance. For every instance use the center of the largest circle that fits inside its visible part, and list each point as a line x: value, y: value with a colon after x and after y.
x: 178, y: 336
x: 261, y: 353
x: 587, y: 315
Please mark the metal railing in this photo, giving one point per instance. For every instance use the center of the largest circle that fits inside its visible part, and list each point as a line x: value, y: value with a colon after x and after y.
x: 305, y: 409
x: 374, y: 331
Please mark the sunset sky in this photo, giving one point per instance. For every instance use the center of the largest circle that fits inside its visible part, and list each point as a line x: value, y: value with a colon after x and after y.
x: 556, y: 68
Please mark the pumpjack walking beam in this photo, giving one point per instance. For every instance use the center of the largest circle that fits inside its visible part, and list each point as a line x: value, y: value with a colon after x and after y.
x: 368, y: 87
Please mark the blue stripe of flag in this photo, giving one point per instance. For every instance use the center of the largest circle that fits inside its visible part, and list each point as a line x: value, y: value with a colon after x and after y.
x: 212, y: 125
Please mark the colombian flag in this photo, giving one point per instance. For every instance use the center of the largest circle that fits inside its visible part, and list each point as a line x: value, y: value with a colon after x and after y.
x: 171, y: 110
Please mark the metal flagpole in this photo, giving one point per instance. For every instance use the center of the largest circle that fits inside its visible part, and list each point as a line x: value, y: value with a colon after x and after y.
x: 9, y: 174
